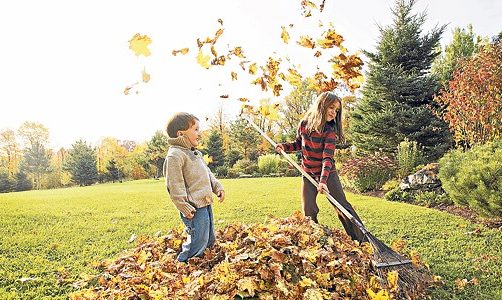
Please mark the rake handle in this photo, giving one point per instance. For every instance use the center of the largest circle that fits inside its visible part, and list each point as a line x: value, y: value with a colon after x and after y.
x: 307, y: 175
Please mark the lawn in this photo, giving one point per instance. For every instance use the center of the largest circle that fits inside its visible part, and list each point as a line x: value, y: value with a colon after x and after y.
x: 48, y: 239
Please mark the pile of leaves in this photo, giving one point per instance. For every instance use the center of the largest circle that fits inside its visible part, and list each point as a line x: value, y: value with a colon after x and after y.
x: 285, y: 258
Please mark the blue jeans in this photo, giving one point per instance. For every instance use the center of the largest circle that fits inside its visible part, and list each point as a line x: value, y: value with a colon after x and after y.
x: 200, y: 231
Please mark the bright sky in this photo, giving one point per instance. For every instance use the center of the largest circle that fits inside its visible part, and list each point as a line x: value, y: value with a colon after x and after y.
x: 65, y: 64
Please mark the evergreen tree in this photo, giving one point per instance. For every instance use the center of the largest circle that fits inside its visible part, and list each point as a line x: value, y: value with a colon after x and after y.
x: 113, y: 170
x: 6, y: 184
x: 81, y: 163
x: 215, y: 149
x: 400, y: 89
x: 156, y: 150
x: 23, y: 183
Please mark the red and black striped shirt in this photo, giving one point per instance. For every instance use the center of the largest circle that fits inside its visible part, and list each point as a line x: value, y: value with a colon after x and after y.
x: 317, y: 149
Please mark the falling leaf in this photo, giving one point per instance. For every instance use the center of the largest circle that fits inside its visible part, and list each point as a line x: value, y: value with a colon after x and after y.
x: 224, y: 96
x: 220, y: 60
x: 220, y: 21
x: 317, y: 54
x: 238, y: 52
x: 243, y: 99
x: 203, y: 60
x: 306, y: 41
x: 330, y: 40
x: 146, y: 76
x: 139, y: 44
x: 183, y: 51
x: 284, y: 35
x: 213, y: 51
x: 234, y: 76
x: 321, y: 7
x: 252, y: 69
x: 242, y: 63
x: 208, y: 159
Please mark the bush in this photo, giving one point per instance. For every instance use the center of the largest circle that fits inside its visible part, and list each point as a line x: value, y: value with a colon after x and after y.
x: 408, y: 157
x: 474, y: 177
x: 369, y: 172
x: 429, y: 199
x: 390, y: 185
x: 221, y: 171
x: 268, y: 163
x: 245, y: 166
x: 397, y: 195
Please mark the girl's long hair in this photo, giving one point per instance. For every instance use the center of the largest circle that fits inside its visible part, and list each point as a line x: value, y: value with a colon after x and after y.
x: 316, y: 115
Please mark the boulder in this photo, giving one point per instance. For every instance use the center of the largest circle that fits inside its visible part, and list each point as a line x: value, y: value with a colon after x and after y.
x: 424, y: 180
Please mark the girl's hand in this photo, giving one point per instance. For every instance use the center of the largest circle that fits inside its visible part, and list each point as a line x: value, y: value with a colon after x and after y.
x: 221, y: 196
x: 322, y: 188
x: 278, y: 148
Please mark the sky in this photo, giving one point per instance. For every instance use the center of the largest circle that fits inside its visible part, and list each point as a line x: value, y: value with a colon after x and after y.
x: 65, y: 64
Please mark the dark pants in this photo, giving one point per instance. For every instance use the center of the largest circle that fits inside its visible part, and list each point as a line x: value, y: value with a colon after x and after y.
x: 310, y: 209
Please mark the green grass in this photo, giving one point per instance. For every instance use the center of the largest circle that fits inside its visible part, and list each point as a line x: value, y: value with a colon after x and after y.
x: 45, y: 234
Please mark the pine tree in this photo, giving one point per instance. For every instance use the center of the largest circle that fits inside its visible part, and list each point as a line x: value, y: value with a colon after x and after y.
x: 400, y: 89
x: 113, y: 170
x: 23, y: 183
x: 215, y: 150
x: 81, y: 163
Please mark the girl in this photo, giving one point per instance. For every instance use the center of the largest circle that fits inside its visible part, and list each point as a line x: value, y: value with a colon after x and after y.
x: 316, y: 136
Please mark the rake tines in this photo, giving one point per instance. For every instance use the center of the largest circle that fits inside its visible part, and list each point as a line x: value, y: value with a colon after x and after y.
x: 411, y: 279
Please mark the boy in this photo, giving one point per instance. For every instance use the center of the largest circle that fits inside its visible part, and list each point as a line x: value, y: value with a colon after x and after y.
x: 190, y: 184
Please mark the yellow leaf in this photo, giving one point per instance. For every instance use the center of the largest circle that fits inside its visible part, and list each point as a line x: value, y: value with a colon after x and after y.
x: 139, y: 44
x: 234, y: 76
x: 182, y: 51
x: 381, y: 295
x: 307, y: 282
x: 208, y: 159
x: 146, y: 76
x: 252, y: 69
x: 314, y: 294
x: 284, y: 35
x: 203, y: 60
x: 392, y: 278
x: 248, y: 284
x: 306, y: 41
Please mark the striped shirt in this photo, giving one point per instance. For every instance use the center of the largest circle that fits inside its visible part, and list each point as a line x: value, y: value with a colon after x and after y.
x: 317, y: 149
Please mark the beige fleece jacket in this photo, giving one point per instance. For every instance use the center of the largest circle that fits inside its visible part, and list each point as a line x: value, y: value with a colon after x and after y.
x: 189, y: 181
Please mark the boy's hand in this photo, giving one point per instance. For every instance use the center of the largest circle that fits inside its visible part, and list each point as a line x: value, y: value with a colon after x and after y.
x: 278, y: 148
x: 221, y: 196
x: 322, y: 188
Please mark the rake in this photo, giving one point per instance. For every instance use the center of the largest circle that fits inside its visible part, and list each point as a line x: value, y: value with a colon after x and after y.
x: 384, y: 258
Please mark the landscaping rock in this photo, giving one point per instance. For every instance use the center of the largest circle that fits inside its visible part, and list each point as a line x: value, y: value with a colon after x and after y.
x: 424, y: 180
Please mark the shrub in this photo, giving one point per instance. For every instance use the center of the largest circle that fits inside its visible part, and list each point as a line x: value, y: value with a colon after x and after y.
x: 474, y: 177
x: 268, y: 163
x: 390, y: 184
x: 245, y: 166
x: 221, y: 171
x: 408, y: 157
x: 397, y: 195
x: 431, y: 199
x: 369, y: 172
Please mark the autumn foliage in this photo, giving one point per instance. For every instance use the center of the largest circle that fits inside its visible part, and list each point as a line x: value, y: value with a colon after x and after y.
x: 473, y: 102
x: 285, y: 258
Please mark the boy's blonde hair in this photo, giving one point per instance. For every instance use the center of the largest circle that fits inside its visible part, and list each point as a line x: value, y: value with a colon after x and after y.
x: 317, y: 114
x: 179, y: 122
